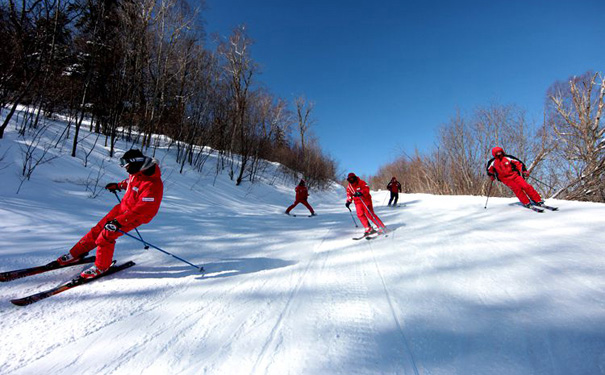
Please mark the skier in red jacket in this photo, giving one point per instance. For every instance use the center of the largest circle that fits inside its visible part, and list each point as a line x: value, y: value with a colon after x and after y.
x: 302, y: 193
x: 512, y: 172
x: 359, y: 192
x: 395, y: 188
x: 141, y: 202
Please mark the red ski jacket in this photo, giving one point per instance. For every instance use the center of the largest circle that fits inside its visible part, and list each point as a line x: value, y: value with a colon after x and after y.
x: 361, y: 186
x: 143, y: 196
x: 394, y: 186
x: 302, y: 193
x: 506, y: 167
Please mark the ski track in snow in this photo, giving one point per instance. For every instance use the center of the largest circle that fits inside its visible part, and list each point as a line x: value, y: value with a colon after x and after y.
x: 408, y: 355
x: 274, y: 331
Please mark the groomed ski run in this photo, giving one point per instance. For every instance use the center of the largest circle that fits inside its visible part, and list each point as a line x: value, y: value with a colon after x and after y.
x: 451, y: 290
x: 454, y: 289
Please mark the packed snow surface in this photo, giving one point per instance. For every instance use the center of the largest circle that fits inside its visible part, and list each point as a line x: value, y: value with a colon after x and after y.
x: 454, y: 288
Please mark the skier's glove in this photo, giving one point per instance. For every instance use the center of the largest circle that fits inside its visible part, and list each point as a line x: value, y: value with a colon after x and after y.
x: 113, y: 187
x: 113, y: 225
x: 347, y: 204
x: 492, y: 178
x: 357, y: 194
x: 525, y: 174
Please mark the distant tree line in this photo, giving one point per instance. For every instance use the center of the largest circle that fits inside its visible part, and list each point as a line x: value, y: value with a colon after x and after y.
x: 139, y: 68
x: 565, y: 154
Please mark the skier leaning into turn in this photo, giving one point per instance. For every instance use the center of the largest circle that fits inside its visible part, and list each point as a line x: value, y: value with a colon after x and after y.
x: 512, y: 172
x: 141, y: 202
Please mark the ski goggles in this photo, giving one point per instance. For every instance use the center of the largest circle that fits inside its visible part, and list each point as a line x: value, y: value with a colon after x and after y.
x: 124, y: 162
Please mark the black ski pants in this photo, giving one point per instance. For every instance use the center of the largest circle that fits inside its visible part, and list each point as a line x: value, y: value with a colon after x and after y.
x: 395, y: 197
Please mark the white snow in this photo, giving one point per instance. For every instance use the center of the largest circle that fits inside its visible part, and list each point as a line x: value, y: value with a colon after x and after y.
x: 454, y: 289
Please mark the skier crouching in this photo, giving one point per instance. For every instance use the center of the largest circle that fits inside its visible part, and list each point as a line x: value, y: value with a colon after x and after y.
x: 141, y: 202
x: 512, y: 172
x: 358, y: 191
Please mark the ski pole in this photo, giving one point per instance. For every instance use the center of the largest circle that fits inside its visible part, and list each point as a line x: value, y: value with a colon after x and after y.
x: 375, y: 219
x: 488, y: 192
x: 141, y: 237
x: 354, y: 222
x: 201, y: 269
x: 545, y: 184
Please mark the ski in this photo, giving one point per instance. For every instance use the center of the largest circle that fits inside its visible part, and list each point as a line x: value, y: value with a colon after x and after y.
x: 365, y: 235
x: 54, y: 265
x: 534, y: 208
x: 551, y: 208
x: 68, y: 285
x: 376, y: 236
x: 294, y: 215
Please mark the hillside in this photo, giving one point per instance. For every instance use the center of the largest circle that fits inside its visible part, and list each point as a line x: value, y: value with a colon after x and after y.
x: 454, y: 289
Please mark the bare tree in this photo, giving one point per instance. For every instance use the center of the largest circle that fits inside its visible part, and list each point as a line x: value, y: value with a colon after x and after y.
x: 140, y: 70
x: 30, y: 46
x: 93, y: 183
x: 239, y: 70
x: 576, y: 121
x: 464, y: 143
x: 304, y: 121
x: 35, y: 151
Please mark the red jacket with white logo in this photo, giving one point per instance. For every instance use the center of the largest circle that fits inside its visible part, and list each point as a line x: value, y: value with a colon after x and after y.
x: 302, y: 193
x: 143, y: 196
x: 361, y: 186
x: 506, y: 167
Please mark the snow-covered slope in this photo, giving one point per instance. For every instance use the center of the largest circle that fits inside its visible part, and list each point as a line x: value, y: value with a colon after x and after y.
x: 454, y: 289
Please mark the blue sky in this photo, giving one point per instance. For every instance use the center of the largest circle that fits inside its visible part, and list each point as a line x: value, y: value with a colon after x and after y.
x: 384, y: 75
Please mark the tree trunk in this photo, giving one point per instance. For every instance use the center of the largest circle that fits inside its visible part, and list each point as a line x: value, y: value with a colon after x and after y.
x: 79, y: 121
x: 8, y: 118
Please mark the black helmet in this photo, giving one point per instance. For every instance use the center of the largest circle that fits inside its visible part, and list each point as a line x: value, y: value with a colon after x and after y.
x: 132, y: 161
